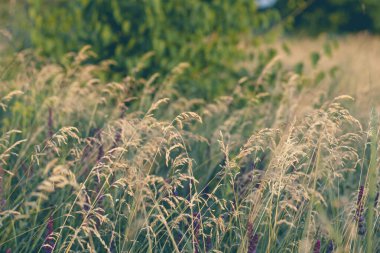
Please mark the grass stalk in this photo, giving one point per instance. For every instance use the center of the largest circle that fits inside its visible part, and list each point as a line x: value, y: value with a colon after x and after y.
x: 372, y: 180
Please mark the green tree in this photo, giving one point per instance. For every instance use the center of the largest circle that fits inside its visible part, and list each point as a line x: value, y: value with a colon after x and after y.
x: 336, y: 16
x: 204, y: 33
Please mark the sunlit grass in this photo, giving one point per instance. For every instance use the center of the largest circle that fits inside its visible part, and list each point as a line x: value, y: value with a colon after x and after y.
x: 134, y: 166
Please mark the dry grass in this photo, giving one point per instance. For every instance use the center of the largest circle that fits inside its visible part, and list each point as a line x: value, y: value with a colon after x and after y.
x: 358, y: 60
x: 134, y: 166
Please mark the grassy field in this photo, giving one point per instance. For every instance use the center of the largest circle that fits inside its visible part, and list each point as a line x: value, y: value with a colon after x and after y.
x: 134, y: 166
x: 357, y: 60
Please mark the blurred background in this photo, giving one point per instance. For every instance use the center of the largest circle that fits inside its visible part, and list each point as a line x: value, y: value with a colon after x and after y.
x: 222, y: 40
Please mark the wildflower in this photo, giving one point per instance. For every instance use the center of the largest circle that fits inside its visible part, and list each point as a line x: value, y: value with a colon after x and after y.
x: 253, y: 239
x: 175, y: 192
x: 49, y: 241
x: 359, y: 204
x: 178, y: 239
x: 2, y: 199
x: 359, y: 217
x: 101, y: 148
x: 196, y: 227
x: 361, y: 226
x: 330, y: 247
x: 208, y: 243
x: 225, y: 216
x: 317, y: 247
x: 117, y: 138
x: 50, y: 123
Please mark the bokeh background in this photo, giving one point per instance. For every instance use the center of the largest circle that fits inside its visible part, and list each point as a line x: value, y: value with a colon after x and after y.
x: 212, y: 36
x: 207, y: 34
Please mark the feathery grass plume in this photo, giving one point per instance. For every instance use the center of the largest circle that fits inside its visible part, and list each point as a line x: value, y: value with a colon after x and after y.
x: 49, y: 242
x: 317, y: 246
x: 330, y: 247
x: 7, y: 147
x: 4, y: 100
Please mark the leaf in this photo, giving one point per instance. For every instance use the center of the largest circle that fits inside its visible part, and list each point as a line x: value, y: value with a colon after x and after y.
x: 315, y: 57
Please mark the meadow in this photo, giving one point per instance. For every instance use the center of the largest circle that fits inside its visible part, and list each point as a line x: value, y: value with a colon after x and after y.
x: 283, y: 160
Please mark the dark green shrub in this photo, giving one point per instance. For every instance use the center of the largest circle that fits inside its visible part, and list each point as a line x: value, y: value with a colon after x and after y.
x: 336, y: 16
x: 203, y: 33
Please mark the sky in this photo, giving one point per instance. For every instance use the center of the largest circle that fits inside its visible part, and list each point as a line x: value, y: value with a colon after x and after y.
x: 265, y: 3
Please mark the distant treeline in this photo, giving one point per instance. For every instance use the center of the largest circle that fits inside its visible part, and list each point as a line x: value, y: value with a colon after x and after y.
x: 337, y: 16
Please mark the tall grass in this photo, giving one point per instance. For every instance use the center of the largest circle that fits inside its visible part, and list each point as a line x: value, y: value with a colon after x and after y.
x: 136, y: 167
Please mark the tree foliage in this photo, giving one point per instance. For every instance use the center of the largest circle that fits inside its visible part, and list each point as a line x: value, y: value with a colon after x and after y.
x: 337, y: 16
x: 204, y: 33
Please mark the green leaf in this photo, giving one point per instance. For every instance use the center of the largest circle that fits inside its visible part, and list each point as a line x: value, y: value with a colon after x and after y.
x: 315, y: 57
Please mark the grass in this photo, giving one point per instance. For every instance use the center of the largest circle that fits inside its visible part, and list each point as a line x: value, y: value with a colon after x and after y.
x: 354, y: 58
x: 136, y: 167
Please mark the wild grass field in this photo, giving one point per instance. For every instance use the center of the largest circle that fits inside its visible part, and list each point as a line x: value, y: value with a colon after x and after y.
x: 85, y: 169
x: 284, y: 160
x: 356, y: 58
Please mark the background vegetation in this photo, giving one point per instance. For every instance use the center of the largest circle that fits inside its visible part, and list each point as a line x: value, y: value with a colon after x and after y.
x: 338, y: 16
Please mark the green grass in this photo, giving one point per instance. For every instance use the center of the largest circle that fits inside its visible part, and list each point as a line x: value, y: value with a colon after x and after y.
x: 135, y: 166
